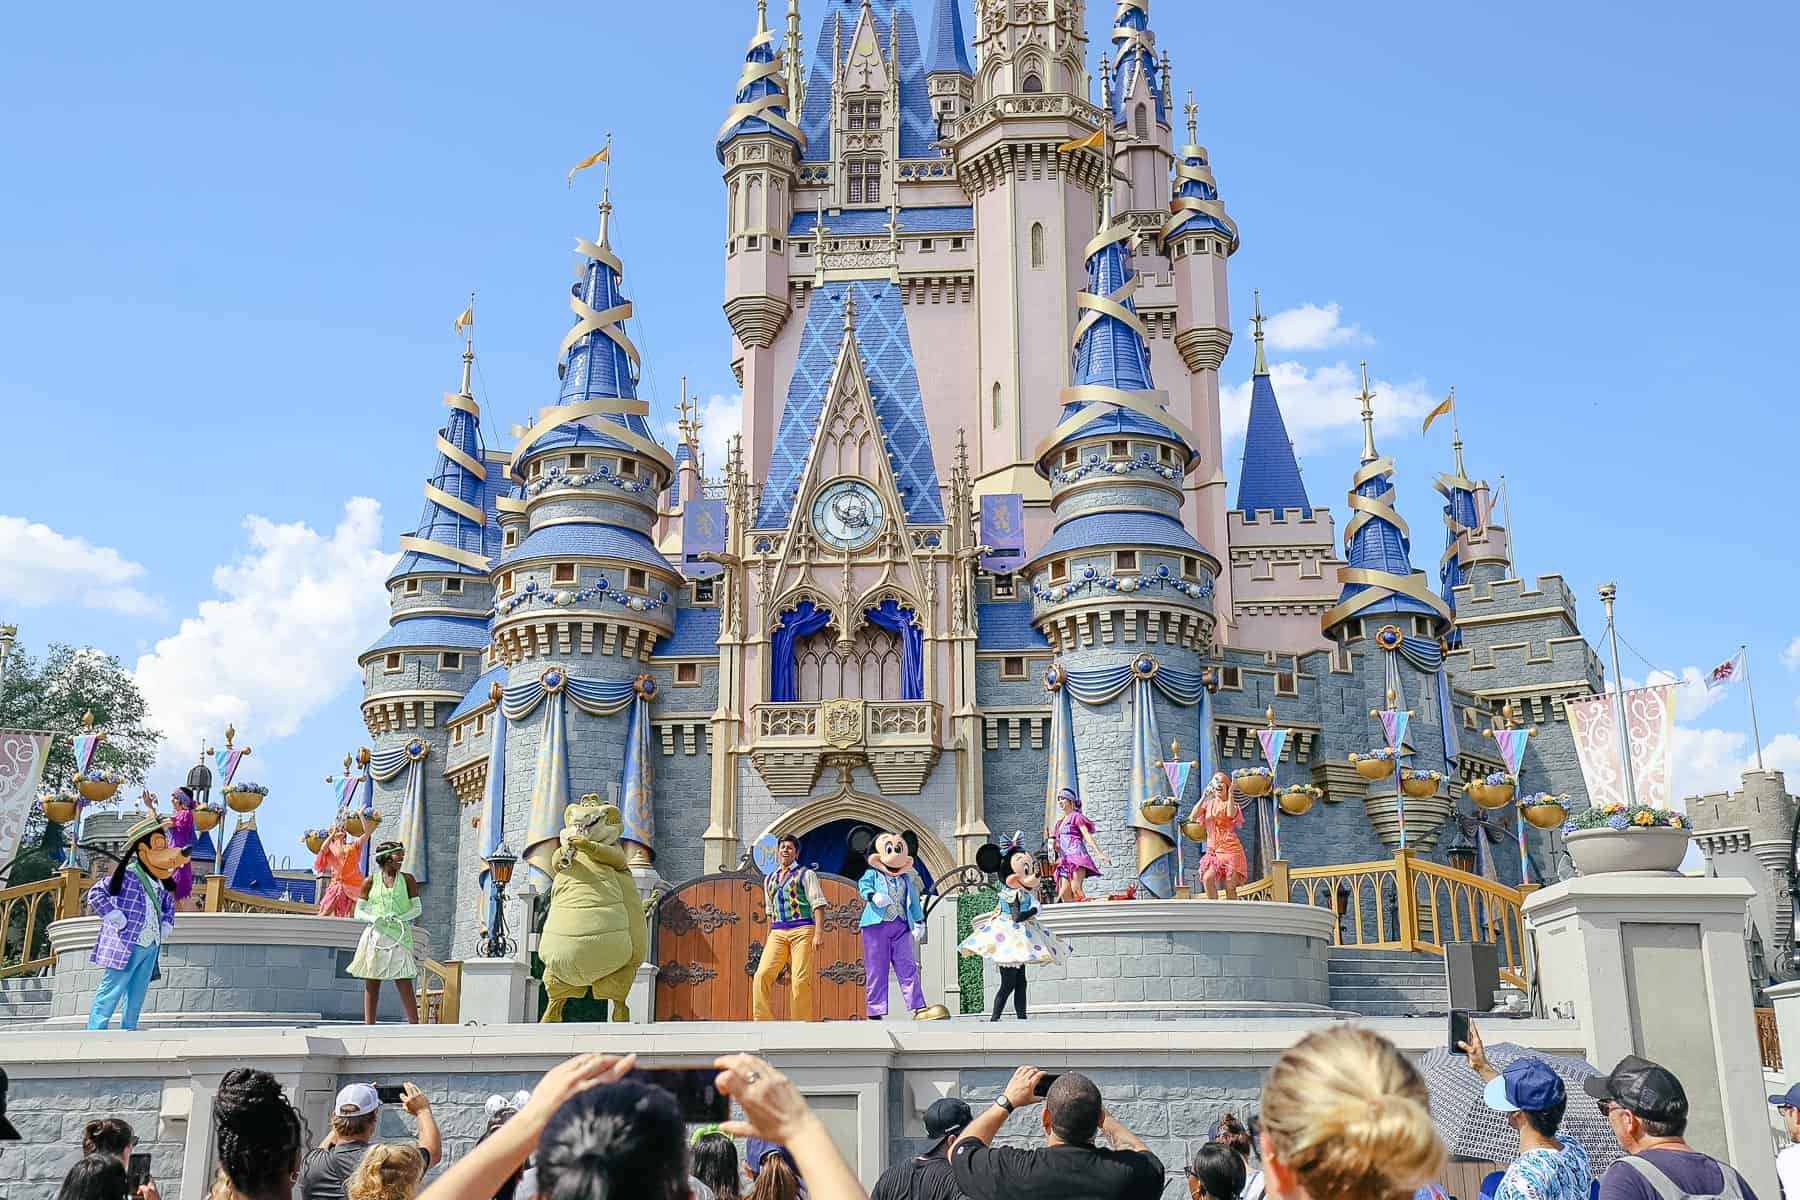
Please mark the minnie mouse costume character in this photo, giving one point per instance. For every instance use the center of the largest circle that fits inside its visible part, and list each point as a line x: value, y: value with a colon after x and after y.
x: 1010, y: 936
x: 893, y: 918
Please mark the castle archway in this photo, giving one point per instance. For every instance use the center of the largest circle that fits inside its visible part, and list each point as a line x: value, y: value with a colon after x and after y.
x: 818, y: 821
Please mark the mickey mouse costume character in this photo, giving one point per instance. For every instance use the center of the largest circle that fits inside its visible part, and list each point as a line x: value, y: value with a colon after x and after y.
x: 136, y: 907
x: 1010, y: 936
x: 893, y: 918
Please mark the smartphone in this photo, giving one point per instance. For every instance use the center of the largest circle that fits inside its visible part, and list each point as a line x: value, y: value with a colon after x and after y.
x: 1459, y: 1030
x: 138, y: 1174
x: 1043, y: 1084
x: 389, y: 1093
x: 701, y: 1103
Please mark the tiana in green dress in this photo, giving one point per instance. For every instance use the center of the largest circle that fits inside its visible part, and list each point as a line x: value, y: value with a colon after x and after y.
x: 389, y: 905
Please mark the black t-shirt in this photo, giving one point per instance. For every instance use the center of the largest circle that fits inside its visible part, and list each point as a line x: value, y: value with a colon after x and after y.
x: 1056, y: 1173
x: 326, y: 1170
x: 1694, y: 1173
x: 922, y: 1178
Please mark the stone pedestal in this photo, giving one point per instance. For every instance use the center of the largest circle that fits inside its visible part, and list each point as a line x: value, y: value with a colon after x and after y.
x: 641, y: 999
x: 1655, y: 966
x: 498, y: 991
x: 1168, y: 959
x: 1785, y: 998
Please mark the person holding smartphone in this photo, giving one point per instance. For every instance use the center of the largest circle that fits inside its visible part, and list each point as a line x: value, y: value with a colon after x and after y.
x: 1071, y: 1166
x: 328, y: 1167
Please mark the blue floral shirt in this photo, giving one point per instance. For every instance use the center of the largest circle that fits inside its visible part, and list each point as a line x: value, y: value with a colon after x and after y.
x: 1548, y: 1175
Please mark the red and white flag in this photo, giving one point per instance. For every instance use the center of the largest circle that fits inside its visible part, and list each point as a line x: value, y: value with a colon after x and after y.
x: 1726, y: 671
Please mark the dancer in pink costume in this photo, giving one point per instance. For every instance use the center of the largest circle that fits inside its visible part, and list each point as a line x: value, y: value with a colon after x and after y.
x: 1076, y: 850
x: 1223, y: 864
x: 340, y: 858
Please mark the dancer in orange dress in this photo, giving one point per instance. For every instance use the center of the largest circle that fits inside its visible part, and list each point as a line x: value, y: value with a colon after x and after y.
x: 1223, y: 864
x: 340, y: 860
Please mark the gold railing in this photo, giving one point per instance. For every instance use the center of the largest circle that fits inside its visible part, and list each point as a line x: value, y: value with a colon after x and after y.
x: 1407, y: 904
x: 1768, y: 1039
x: 217, y: 898
x: 440, y: 992
x: 25, y: 915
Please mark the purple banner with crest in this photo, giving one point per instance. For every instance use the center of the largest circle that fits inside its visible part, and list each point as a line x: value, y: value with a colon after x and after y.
x: 702, y: 532
x: 1003, y: 531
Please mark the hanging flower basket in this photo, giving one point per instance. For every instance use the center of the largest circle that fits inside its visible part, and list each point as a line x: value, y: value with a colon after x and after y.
x: 314, y: 841
x: 1297, y: 799
x: 61, y: 809
x: 1158, y: 812
x: 1493, y: 791
x: 1544, y: 810
x: 1420, y: 784
x: 1376, y: 764
x: 1253, y: 781
x: 97, y: 785
x: 353, y: 824
x: 208, y: 816
x: 1194, y: 831
x: 245, y: 797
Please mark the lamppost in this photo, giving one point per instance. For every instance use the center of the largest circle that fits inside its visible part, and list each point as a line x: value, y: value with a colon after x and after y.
x: 7, y: 635
x: 1460, y: 850
x: 500, y: 868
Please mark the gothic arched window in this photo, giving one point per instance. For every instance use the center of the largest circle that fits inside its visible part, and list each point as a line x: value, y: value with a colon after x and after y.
x: 1143, y: 123
x: 1032, y: 83
x: 1037, y: 245
x: 996, y: 406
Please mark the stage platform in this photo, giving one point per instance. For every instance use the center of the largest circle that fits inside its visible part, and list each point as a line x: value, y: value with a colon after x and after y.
x: 871, y: 1080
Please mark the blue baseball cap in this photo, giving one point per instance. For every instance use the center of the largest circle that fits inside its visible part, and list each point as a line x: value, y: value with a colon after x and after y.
x: 1787, y: 1099
x: 756, y: 1149
x: 1524, y: 1085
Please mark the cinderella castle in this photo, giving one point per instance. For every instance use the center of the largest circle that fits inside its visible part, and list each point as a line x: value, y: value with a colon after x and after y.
x: 976, y: 540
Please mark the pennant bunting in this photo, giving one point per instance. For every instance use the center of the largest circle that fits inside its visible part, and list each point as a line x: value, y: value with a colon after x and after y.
x: 1512, y: 747
x: 1393, y: 724
x: 85, y: 745
x: 1178, y: 776
x: 1273, y: 742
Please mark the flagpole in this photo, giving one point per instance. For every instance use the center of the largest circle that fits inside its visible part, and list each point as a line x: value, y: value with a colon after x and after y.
x: 1751, y: 693
x: 1608, y: 593
x: 1512, y: 541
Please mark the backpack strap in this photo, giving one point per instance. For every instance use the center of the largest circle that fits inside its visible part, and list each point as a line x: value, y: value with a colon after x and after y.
x: 1653, y: 1175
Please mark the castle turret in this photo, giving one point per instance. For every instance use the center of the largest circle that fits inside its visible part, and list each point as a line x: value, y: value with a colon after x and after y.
x: 1471, y: 539
x: 1283, y: 550
x: 1120, y: 583
x: 1197, y: 239
x: 948, y: 74
x: 415, y: 673
x: 1034, y: 206
x: 1379, y: 583
x: 760, y: 147
x: 1139, y: 89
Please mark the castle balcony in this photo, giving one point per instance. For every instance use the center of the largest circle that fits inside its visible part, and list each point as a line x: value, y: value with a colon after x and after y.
x: 898, y: 740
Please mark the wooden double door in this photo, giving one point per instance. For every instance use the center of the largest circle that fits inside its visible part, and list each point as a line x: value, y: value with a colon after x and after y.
x: 709, y: 937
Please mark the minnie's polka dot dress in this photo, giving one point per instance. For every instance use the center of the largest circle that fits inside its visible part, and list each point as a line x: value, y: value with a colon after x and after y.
x: 1009, y: 943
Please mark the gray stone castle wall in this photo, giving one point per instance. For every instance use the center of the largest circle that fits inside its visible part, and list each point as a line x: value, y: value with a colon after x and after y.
x: 50, y: 1115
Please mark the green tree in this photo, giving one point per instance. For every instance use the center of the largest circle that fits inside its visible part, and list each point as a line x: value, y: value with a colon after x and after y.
x: 55, y: 694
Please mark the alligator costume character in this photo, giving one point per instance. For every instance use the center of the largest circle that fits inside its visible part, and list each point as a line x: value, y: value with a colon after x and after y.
x: 595, y: 936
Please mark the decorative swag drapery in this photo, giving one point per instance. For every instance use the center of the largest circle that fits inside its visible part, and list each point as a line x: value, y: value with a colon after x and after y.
x: 807, y: 618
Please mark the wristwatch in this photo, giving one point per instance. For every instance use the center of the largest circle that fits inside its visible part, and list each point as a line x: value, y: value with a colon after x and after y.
x: 1002, y: 1103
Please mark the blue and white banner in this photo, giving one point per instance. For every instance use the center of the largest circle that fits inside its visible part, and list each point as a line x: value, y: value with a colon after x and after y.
x: 1003, y: 532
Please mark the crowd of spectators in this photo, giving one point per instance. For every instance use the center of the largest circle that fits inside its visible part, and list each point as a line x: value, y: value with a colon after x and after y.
x: 1344, y: 1116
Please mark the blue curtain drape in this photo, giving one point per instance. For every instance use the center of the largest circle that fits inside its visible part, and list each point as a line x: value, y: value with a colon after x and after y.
x: 384, y: 766
x: 803, y: 619
x: 493, y: 797
x: 890, y: 616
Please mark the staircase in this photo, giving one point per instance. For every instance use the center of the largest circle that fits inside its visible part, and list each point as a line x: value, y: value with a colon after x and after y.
x: 1388, y: 983
x: 24, y: 999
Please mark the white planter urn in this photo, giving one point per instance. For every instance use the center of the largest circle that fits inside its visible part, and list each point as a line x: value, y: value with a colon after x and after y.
x: 1602, y: 851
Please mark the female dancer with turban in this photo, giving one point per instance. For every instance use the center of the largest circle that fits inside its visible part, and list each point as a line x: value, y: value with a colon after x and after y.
x: 1073, y: 836
x: 1223, y: 864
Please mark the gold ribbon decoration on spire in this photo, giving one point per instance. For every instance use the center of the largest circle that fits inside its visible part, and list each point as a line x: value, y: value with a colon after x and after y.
x: 763, y: 106
x: 1378, y: 584
x: 1182, y: 207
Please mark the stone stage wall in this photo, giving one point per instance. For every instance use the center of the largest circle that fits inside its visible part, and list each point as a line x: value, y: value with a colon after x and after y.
x: 870, y: 1081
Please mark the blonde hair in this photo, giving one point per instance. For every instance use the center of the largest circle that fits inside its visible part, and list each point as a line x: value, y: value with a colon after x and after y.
x: 1347, y: 1113
x: 386, y: 1172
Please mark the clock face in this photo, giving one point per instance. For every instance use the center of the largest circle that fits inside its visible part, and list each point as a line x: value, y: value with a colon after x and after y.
x: 847, y: 514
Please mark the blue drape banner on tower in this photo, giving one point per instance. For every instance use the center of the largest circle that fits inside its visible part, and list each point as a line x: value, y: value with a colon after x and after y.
x: 550, y: 781
x: 386, y: 765
x: 803, y: 620
x: 493, y: 796
x: 889, y: 615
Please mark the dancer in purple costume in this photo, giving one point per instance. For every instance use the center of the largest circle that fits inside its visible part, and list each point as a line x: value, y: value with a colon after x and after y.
x: 892, y: 919
x: 180, y: 827
x: 1073, y: 835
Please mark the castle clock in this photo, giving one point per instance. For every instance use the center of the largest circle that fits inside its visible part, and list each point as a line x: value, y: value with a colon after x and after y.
x: 847, y: 514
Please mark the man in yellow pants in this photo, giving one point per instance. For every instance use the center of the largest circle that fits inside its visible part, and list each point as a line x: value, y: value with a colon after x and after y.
x: 796, y: 906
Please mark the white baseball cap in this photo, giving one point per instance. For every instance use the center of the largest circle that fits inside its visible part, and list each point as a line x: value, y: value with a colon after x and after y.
x: 357, y: 1100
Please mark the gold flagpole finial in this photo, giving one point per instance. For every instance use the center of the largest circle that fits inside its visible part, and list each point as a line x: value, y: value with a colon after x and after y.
x: 1193, y: 120
x: 1261, y: 366
x: 1368, y: 417
x: 466, y: 326
x: 1456, y: 443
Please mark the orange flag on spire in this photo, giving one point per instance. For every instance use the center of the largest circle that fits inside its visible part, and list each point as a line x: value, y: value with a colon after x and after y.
x: 1093, y: 141
x: 604, y: 154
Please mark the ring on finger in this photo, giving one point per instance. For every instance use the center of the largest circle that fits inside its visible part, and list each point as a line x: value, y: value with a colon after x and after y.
x: 753, y: 1076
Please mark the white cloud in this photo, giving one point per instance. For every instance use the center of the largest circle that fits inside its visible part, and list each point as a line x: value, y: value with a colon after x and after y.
x: 1311, y: 327
x: 1706, y: 760
x: 721, y: 419
x: 39, y: 566
x: 1790, y: 658
x: 1318, y: 400
x: 279, y: 642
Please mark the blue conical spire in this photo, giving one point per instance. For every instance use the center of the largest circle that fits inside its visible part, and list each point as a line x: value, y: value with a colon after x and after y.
x: 1111, y: 353
x: 949, y: 48
x: 1271, y: 476
x: 761, y: 101
x: 1134, y: 54
x: 601, y: 362
x: 1378, y: 574
x: 453, y: 532
x: 1461, y: 514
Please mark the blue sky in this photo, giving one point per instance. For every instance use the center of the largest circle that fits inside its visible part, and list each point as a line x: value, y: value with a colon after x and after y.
x: 233, y: 240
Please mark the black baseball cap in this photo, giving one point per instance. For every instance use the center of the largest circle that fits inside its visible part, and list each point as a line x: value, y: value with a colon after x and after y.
x: 1647, y: 1089
x: 944, y: 1120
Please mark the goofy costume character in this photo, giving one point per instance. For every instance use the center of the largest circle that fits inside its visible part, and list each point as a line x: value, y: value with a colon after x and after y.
x: 893, y: 918
x: 136, y: 907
